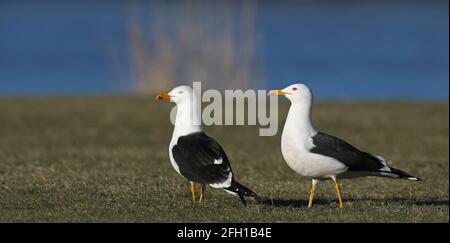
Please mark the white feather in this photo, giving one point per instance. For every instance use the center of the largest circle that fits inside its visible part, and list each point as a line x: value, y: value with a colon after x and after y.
x: 224, y: 184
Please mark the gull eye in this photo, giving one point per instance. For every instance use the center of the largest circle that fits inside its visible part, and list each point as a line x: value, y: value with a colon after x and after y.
x: 295, y: 88
x: 180, y: 92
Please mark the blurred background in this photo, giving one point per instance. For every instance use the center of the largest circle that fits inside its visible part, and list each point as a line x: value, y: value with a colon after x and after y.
x: 345, y: 50
x: 83, y: 140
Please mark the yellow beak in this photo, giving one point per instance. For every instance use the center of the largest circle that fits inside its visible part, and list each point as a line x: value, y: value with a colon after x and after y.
x: 277, y: 92
x: 163, y: 96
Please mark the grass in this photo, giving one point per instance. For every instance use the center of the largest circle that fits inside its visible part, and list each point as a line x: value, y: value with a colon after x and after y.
x: 105, y: 159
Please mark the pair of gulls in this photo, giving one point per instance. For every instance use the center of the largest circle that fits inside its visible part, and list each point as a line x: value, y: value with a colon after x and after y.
x: 313, y: 154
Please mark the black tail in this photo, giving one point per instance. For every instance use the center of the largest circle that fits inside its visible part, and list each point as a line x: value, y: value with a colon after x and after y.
x: 403, y: 175
x: 242, y: 191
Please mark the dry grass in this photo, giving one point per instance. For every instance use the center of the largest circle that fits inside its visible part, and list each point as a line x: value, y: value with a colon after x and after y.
x: 99, y: 159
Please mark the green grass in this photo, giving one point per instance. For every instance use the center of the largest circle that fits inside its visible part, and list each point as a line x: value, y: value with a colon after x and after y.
x: 105, y: 159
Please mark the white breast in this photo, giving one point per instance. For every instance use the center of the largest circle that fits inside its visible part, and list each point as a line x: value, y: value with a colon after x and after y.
x: 296, y: 153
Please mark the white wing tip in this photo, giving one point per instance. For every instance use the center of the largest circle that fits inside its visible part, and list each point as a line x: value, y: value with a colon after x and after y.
x: 218, y: 161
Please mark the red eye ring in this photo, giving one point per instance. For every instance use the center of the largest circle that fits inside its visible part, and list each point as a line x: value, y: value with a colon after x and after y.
x: 295, y: 88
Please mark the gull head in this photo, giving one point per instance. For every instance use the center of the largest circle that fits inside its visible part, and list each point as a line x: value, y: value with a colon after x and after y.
x: 294, y: 93
x: 178, y: 95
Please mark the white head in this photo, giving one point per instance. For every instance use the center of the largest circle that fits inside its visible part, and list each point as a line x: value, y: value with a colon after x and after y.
x: 299, y: 116
x: 188, y: 117
x: 296, y: 93
x: 178, y: 95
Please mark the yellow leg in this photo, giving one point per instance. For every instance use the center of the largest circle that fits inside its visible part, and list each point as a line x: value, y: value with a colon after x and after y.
x: 338, y: 190
x: 311, y: 193
x: 202, y: 193
x: 193, y: 192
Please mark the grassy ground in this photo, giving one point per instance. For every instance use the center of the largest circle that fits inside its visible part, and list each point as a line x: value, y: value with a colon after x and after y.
x: 101, y: 159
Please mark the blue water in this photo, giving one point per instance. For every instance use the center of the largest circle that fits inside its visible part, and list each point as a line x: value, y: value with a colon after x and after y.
x: 353, y: 50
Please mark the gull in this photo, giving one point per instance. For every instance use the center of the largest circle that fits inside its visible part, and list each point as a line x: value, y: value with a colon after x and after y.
x: 193, y: 154
x: 319, y: 156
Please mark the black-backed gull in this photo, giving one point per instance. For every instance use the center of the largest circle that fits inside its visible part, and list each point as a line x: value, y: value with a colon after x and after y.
x: 194, y: 155
x: 320, y: 156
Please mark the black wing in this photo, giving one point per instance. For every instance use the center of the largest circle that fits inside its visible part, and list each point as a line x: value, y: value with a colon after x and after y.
x: 353, y: 158
x: 195, y: 155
